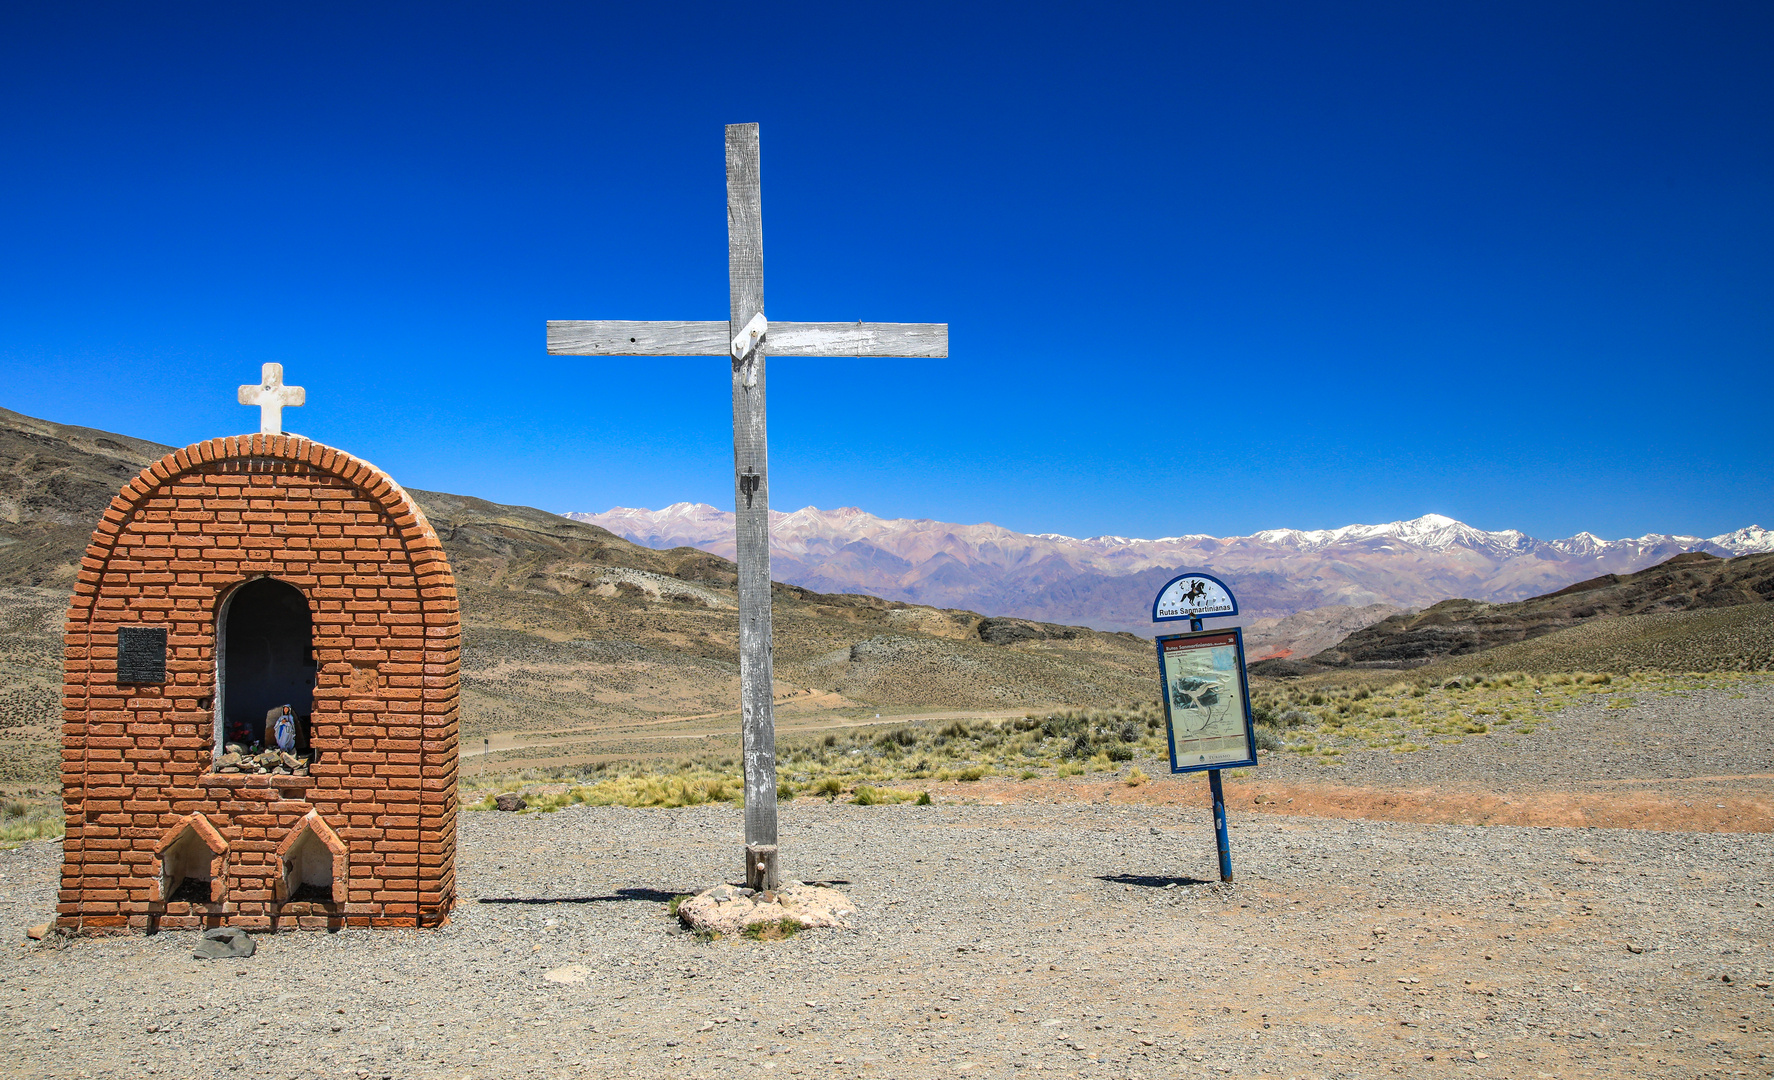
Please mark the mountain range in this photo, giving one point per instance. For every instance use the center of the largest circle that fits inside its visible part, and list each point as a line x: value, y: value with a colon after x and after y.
x: 1107, y: 582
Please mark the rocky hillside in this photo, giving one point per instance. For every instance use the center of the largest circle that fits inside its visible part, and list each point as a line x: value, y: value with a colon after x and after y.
x: 1455, y: 628
x: 1737, y: 638
x: 1305, y: 633
x: 54, y: 481
x: 566, y: 626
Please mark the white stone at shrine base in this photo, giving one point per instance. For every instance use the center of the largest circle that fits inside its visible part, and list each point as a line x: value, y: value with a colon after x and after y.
x: 731, y: 909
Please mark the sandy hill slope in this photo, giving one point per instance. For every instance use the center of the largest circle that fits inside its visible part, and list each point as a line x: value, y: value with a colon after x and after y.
x: 54, y: 481
x: 1600, y: 622
x: 566, y: 626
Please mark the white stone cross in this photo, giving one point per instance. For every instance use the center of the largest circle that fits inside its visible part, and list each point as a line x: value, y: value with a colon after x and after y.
x: 271, y: 396
x: 743, y: 339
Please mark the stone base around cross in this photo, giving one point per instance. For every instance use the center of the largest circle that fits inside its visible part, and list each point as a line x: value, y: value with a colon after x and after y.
x: 735, y: 909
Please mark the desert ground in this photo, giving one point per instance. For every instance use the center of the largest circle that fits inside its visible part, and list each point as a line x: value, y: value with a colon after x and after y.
x: 1496, y: 907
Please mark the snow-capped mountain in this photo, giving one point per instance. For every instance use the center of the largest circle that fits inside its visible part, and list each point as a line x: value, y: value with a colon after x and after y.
x: 1752, y: 540
x: 1108, y: 581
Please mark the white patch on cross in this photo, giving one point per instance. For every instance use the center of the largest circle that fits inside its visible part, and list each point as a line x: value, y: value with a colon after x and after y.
x: 271, y: 396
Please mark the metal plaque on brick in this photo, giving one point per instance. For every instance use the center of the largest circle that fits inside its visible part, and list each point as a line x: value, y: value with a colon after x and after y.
x: 141, y: 654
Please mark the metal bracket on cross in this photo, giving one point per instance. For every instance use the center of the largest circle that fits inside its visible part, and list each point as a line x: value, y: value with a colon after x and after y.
x: 748, y: 339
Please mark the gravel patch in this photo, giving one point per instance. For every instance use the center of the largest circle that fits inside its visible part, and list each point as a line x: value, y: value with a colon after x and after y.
x: 1074, y: 940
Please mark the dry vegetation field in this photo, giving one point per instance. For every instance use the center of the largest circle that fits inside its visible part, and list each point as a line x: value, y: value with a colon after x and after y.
x: 1328, y: 716
x: 1568, y: 748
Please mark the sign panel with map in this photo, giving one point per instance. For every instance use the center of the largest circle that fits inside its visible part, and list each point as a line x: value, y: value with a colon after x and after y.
x: 1206, y: 700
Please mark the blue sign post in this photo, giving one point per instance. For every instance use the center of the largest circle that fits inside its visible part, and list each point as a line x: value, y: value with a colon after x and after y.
x: 1206, y: 691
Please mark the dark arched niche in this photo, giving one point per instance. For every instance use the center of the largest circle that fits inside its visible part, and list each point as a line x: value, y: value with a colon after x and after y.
x: 266, y: 660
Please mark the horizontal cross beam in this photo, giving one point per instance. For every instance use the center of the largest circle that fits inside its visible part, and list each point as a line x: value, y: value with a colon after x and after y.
x: 609, y: 338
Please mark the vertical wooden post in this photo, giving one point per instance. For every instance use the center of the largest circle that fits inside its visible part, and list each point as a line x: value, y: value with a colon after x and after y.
x: 1219, y: 824
x: 751, y: 505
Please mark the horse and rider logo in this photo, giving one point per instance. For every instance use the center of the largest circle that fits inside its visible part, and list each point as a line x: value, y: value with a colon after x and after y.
x: 1193, y: 596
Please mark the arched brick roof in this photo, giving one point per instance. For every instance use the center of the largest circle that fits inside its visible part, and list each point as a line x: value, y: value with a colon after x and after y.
x: 419, y: 538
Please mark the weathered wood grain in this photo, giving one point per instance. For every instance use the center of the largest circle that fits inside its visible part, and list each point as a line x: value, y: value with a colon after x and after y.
x: 751, y: 502
x: 664, y: 338
x: 616, y: 338
x: 762, y: 868
x: 929, y: 340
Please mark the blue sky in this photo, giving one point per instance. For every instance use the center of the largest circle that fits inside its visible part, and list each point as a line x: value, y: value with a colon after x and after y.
x: 1208, y: 268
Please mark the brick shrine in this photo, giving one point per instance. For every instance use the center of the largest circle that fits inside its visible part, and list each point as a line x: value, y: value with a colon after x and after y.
x: 229, y: 577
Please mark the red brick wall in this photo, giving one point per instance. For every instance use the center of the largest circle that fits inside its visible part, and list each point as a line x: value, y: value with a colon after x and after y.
x: 136, y: 759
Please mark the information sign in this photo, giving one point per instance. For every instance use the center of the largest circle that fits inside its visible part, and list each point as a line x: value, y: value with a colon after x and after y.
x: 1193, y: 596
x: 1206, y: 700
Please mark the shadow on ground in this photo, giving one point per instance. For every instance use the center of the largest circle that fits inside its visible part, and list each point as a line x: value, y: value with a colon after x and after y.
x: 655, y: 896
x: 1147, y: 881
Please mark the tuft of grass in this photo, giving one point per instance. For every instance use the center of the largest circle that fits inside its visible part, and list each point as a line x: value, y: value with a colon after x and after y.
x: 831, y: 787
x: 780, y: 930
x: 1028, y: 774
x: 672, y: 905
x: 1136, y: 778
x: 923, y: 799
x: 900, y: 737
x: 970, y: 774
x: 21, y: 821
x: 874, y: 796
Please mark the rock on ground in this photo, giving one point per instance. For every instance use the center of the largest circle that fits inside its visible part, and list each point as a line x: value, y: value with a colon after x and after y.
x: 733, y: 909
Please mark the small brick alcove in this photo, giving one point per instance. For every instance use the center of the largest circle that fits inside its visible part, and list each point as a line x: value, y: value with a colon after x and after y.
x: 228, y: 575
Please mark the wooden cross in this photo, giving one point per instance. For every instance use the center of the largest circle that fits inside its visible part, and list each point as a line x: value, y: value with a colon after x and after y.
x: 271, y: 396
x: 743, y: 339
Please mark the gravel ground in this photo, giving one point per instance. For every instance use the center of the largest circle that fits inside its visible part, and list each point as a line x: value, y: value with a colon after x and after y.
x: 1073, y: 937
x: 992, y: 940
